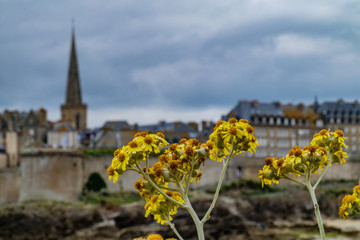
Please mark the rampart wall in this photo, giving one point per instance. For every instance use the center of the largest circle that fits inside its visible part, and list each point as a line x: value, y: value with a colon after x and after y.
x: 51, y: 174
x: 61, y: 175
x: 9, y: 185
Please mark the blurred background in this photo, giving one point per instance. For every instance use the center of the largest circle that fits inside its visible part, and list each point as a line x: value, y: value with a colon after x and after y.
x: 78, y: 79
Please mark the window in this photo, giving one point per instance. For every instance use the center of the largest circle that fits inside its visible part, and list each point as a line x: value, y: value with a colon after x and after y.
x: 293, y: 122
x: 77, y: 121
x: 278, y: 121
x: 261, y: 152
x: 286, y: 121
x: 319, y: 123
x: 271, y: 120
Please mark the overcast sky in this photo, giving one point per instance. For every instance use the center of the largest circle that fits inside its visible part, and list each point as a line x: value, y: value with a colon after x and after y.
x: 145, y: 61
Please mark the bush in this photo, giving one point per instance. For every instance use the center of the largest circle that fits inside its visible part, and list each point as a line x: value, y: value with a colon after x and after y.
x: 95, y: 183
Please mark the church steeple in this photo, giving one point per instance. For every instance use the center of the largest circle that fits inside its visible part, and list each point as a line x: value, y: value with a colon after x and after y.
x: 73, y: 110
x: 73, y: 92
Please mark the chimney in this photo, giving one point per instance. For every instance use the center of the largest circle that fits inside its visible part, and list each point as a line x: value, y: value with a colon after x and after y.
x: 203, y: 125
x: 42, y: 117
x: 177, y: 124
x: 255, y: 103
x: 194, y: 126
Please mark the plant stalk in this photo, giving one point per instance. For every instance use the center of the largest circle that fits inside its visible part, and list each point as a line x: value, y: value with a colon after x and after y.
x: 172, y: 226
x: 198, y: 224
x: 216, y: 195
x: 316, y: 207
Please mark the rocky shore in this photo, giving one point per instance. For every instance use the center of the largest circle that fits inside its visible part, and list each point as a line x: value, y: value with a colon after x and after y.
x: 280, y: 215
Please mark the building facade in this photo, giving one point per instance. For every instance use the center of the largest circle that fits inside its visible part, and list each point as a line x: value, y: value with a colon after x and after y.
x: 278, y: 127
x: 345, y: 116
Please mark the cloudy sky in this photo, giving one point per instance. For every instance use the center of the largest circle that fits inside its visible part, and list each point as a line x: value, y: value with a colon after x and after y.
x: 145, y: 61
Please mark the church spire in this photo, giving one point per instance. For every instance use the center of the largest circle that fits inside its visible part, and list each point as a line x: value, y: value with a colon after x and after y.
x: 74, y: 111
x: 73, y: 91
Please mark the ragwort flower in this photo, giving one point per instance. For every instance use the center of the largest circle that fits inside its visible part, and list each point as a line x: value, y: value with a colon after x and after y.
x: 350, y: 204
x: 232, y: 137
x: 326, y: 146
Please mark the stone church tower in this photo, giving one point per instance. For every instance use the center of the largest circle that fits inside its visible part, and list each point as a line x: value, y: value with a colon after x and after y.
x: 73, y: 110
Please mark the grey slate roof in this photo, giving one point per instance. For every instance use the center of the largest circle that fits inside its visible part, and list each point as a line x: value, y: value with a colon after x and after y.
x: 117, y: 125
x: 246, y: 109
x: 339, y: 109
x: 164, y: 126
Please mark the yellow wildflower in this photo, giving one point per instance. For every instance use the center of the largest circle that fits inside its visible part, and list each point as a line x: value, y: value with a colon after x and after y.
x: 339, y: 136
x: 356, y: 191
x: 133, y: 147
x: 123, y: 158
x: 155, y: 237
x: 113, y: 174
x: 263, y: 178
x: 278, y: 165
x: 147, y: 144
x: 320, y: 137
x: 343, y: 212
x: 348, y: 200
x: 116, y: 164
x: 340, y: 156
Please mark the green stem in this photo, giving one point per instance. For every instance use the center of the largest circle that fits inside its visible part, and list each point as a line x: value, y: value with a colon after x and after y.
x: 172, y: 226
x: 147, y: 163
x: 291, y: 179
x: 146, y: 176
x: 189, y: 177
x: 198, y: 224
x: 322, y: 174
x: 216, y: 195
x: 316, y: 207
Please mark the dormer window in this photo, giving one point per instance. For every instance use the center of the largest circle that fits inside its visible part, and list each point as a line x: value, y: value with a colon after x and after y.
x: 271, y: 120
x: 293, y: 122
x: 286, y: 121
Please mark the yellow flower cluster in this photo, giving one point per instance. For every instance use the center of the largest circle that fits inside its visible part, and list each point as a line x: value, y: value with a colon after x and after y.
x: 231, y: 137
x: 162, y: 208
x: 183, y: 160
x: 350, y: 204
x: 141, y: 146
x: 180, y: 164
x: 154, y: 237
x: 325, y: 148
x: 165, y: 184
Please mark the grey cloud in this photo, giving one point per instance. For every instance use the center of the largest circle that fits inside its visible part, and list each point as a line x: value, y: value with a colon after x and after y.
x: 186, y: 55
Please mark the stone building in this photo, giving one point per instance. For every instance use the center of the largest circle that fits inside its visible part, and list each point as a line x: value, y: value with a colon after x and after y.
x: 113, y: 134
x: 345, y: 116
x: 63, y: 135
x: 71, y: 131
x: 31, y: 127
x: 173, y: 131
x: 74, y: 111
x: 278, y: 127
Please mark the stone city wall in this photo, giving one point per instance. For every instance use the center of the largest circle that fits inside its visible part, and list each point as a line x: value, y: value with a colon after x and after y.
x: 3, y: 160
x: 9, y: 185
x: 61, y: 175
x: 51, y: 174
